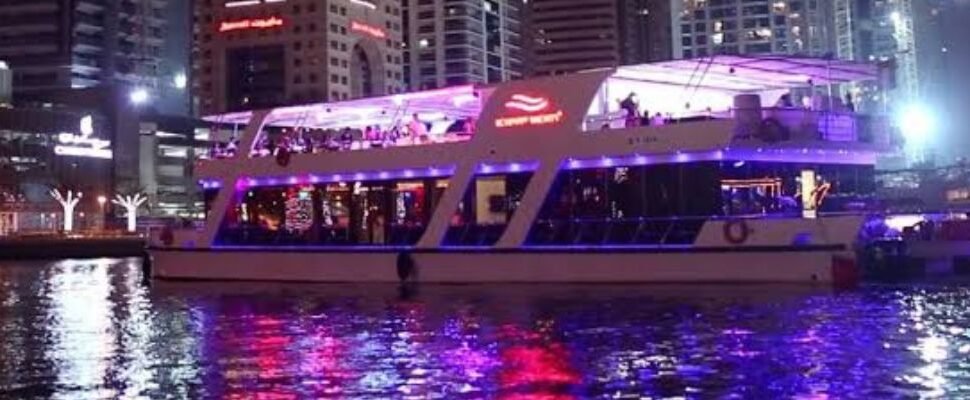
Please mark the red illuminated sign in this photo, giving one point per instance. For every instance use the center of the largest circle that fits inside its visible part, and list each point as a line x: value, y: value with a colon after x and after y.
x: 531, y: 111
x: 252, y: 23
x: 368, y: 30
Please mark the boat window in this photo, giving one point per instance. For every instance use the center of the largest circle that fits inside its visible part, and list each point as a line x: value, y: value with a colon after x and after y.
x: 352, y: 213
x: 486, y: 209
x: 754, y: 187
x: 628, y: 205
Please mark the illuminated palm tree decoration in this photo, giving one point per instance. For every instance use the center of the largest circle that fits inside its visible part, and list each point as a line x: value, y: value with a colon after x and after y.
x: 68, y: 202
x: 131, y: 204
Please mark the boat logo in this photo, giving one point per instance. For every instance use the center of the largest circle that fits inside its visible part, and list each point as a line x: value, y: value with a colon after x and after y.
x: 528, y: 110
x: 528, y: 104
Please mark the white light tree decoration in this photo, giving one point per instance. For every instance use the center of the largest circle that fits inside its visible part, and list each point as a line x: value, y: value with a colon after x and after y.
x: 68, y: 202
x: 131, y: 204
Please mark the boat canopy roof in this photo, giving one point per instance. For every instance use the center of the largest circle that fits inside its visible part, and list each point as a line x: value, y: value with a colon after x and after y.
x: 721, y: 75
x: 747, y: 74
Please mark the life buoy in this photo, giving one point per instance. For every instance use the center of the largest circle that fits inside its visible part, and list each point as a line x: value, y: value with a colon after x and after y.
x: 736, y: 231
x: 283, y: 157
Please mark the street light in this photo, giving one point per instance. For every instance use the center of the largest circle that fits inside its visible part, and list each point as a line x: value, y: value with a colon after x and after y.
x: 101, y: 202
x: 139, y: 96
x: 180, y: 81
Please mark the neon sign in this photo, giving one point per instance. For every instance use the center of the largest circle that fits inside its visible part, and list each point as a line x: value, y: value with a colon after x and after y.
x: 253, y: 23
x: 368, y: 30
x: 83, y: 145
x: 534, y: 110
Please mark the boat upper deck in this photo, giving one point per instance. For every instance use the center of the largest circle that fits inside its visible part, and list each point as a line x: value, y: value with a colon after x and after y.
x: 722, y: 107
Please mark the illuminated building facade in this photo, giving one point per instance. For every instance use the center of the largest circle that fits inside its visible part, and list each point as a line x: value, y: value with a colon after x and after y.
x: 63, y: 44
x: 569, y: 36
x: 260, y: 53
x: 751, y: 27
x: 451, y: 42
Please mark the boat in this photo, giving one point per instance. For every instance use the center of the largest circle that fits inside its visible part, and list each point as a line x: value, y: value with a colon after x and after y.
x: 718, y: 173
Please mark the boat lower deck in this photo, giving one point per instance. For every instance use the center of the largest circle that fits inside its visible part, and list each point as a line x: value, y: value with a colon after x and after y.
x: 795, y: 264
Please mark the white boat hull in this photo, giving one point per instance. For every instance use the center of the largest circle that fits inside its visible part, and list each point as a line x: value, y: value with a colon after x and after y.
x: 711, y: 265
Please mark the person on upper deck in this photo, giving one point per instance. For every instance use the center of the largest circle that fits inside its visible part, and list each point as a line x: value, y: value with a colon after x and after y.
x: 417, y: 129
x: 785, y: 101
x: 632, y: 107
x: 346, y: 139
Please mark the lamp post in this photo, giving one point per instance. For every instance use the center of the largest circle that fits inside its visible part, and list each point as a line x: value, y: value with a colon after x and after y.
x: 101, y: 202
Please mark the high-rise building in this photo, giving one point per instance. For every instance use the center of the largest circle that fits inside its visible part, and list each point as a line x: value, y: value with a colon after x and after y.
x: 63, y: 44
x: 702, y: 28
x: 6, y: 83
x: 252, y: 54
x: 453, y: 42
x: 573, y: 35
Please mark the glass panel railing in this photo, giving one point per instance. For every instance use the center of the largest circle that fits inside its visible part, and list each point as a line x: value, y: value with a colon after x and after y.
x: 615, y: 231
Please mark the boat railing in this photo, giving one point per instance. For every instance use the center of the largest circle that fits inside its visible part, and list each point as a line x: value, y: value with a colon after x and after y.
x: 778, y: 124
x: 334, y: 236
x: 616, y: 231
x: 331, y: 143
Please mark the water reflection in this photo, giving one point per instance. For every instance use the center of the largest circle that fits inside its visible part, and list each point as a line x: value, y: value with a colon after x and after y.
x: 88, y: 329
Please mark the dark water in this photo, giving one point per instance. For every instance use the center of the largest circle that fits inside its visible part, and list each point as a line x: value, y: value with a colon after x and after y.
x: 89, y: 329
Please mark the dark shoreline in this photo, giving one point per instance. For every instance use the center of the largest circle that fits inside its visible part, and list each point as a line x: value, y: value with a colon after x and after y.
x: 47, y: 248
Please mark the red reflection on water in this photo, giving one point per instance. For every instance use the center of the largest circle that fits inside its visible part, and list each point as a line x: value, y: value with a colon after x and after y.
x: 535, y: 365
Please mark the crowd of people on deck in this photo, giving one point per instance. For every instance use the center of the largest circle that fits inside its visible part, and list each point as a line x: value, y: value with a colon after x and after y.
x: 633, y: 116
x: 314, y: 140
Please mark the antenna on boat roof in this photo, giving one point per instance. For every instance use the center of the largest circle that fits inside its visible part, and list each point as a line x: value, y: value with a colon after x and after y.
x: 690, y: 82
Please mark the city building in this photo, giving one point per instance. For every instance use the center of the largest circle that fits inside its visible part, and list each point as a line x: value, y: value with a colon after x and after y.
x: 44, y: 148
x: 169, y: 147
x: 6, y: 84
x: 96, y: 142
x: 261, y: 53
x: 574, y: 35
x: 752, y: 27
x: 63, y: 44
x: 450, y: 42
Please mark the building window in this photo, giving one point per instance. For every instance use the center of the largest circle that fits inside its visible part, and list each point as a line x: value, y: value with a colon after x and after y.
x: 334, y: 78
x: 334, y: 45
x: 343, y: 30
x: 343, y: 47
x: 334, y: 61
x: 297, y: 46
x: 343, y: 10
x: 343, y: 80
x: 296, y: 9
x: 297, y: 79
x: 333, y: 28
x: 313, y: 78
x: 297, y: 62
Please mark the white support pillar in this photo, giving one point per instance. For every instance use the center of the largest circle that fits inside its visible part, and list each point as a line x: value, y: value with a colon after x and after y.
x: 535, y: 195
x: 227, y: 189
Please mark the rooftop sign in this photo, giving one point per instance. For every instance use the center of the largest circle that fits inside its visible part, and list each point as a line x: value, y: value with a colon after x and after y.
x: 250, y: 23
x: 83, y: 145
x: 368, y: 30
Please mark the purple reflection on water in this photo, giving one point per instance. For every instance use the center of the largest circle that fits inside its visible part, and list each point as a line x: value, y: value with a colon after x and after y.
x: 80, y: 329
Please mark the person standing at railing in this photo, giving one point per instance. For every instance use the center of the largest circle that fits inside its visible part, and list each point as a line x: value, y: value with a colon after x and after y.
x: 418, y: 130
x: 849, y: 104
x: 632, y: 107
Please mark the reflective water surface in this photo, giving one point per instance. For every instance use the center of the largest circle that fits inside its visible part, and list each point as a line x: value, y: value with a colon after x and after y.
x: 90, y: 329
